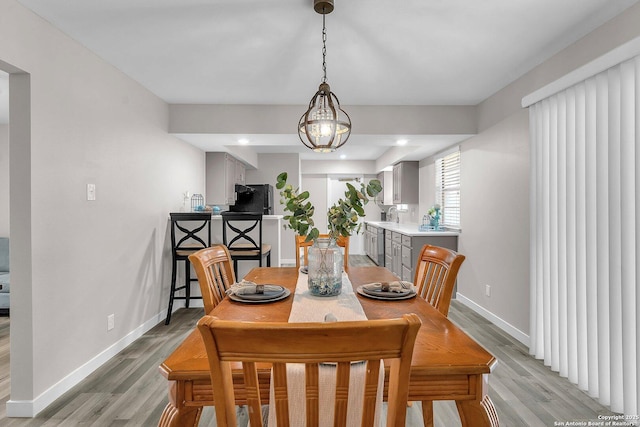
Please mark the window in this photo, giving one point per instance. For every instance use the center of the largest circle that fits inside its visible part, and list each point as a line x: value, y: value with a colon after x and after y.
x: 448, y: 188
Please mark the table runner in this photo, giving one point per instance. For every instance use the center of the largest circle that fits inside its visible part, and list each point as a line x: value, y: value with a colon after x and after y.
x: 309, y: 308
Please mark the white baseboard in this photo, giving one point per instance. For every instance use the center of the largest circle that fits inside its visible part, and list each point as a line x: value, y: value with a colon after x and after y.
x: 505, y: 326
x: 31, y: 408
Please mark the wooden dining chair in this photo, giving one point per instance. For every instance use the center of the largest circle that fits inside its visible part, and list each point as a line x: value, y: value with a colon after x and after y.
x: 310, y: 344
x: 436, y: 272
x: 215, y: 274
x: 341, y: 241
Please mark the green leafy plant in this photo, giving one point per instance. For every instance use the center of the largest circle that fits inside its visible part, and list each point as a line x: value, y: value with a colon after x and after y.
x: 433, y: 210
x: 342, y: 216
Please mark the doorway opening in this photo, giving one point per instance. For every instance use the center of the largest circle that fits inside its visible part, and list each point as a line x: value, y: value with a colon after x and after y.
x: 17, y: 101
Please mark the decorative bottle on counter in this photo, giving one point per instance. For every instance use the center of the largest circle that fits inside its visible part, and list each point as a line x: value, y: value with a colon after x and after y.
x: 435, y: 219
x: 325, y: 268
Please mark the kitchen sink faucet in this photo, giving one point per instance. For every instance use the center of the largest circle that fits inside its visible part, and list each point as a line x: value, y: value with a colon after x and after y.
x: 396, y: 217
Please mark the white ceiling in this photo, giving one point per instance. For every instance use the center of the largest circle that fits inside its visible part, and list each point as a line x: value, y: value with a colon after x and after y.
x: 409, y: 52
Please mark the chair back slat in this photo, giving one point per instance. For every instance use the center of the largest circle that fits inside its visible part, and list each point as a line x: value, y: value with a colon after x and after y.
x: 342, y: 394
x: 370, y: 393
x: 311, y: 344
x: 312, y: 392
x: 280, y: 393
x: 436, y: 274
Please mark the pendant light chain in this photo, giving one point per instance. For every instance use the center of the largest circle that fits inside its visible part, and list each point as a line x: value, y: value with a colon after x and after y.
x: 325, y: 126
x: 324, y: 48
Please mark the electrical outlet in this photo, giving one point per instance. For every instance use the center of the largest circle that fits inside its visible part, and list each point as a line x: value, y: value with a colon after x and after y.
x: 111, y: 322
x: 487, y: 290
x: 91, y: 191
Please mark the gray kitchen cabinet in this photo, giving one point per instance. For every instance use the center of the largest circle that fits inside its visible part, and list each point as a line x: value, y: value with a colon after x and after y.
x: 407, y: 263
x: 240, y: 170
x: 396, y: 249
x: 402, y: 251
x: 368, y: 240
x: 405, y: 182
x: 223, y: 172
x: 388, y: 250
x: 374, y: 244
x: 385, y: 197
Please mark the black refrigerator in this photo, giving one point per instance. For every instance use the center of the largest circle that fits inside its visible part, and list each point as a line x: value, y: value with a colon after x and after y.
x: 254, y: 198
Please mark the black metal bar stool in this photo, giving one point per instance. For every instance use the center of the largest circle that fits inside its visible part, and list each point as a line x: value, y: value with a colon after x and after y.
x: 242, y: 235
x: 185, y: 240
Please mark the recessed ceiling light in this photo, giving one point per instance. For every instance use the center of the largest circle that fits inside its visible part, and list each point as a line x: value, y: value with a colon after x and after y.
x: 402, y: 142
x: 243, y: 141
x: 343, y: 156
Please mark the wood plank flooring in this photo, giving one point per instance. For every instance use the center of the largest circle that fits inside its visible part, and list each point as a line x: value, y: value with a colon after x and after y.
x: 129, y: 391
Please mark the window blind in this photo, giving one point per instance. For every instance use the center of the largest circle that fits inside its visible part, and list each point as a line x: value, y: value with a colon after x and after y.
x: 448, y: 188
x: 585, y: 234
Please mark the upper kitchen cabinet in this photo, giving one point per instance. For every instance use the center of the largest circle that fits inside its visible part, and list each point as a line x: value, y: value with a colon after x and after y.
x: 223, y: 172
x: 405, y: 182
x: 385, y: 197
x: 240, y: 173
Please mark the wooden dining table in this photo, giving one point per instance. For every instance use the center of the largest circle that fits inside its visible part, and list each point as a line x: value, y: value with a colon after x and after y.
x: 447, y: 364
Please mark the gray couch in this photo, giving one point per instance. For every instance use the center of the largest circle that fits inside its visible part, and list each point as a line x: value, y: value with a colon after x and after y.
x: 4, y: 275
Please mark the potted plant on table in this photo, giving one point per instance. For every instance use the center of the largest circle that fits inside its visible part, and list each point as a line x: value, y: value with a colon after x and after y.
x: 325, y: 258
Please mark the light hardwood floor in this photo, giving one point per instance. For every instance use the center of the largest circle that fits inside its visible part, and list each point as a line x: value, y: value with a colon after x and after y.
x: 129, y: 391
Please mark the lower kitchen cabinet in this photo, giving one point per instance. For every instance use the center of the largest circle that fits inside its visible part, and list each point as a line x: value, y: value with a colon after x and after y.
x: 374, y: 244
x: 402, y: 250
x: 388, y: 251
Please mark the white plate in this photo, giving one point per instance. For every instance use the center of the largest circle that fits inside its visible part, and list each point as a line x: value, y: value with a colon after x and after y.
x: 364, y: 294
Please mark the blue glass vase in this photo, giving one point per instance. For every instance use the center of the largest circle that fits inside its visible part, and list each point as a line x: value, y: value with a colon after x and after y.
x: 435, y: 220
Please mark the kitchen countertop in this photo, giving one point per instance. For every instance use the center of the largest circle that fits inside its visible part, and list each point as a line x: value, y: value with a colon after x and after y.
x: 263, y: 216
x: 410, y: 229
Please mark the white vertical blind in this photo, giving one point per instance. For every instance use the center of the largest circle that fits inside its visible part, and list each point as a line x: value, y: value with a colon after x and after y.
x: 585, y: 236
x: 448, y: 188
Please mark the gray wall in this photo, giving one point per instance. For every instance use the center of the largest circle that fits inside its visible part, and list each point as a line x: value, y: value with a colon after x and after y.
x: 495, y: 220
x: 269, y: 167
x: 4, y: 180
x: 89, y: 123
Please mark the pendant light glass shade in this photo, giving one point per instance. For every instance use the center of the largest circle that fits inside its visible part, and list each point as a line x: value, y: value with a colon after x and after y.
x: 324, y: 127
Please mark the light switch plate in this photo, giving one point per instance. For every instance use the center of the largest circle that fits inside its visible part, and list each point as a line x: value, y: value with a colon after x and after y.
x: 91, y: 191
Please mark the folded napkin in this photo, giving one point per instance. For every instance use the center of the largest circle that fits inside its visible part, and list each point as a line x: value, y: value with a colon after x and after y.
x: 246, y: 287
x: 400, y: 286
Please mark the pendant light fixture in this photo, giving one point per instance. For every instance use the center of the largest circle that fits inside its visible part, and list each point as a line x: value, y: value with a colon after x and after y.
x: 324, y: 127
